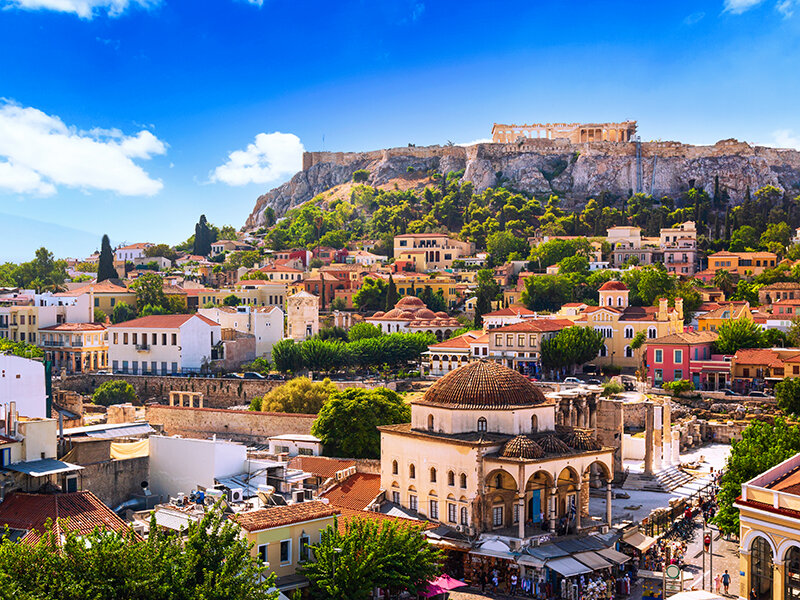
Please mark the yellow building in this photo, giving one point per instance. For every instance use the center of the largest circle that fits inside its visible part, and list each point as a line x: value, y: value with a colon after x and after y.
x: 742, y: 263
x: 75, y: 347
x: 414, y: 284
x: 713, y: 320
x: 258, y: 292
x: 106, y: 295
x: 281, y: 536
x: 620, y: 323
x: 23, y: 324
x: 769, y: 533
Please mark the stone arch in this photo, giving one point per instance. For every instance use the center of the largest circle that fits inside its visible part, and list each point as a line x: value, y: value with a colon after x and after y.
x: 482, y: 424
x: 433, y: 474
x: 652, y: 333
x: 505, y: 482
x: 603, y: 473
x: 628, y: 332
x: 628, y: 352
x: 395, y: 484
x: 438, y: 335
x: 750, y: 537
x: 785, y: 546
x: 447, y: 333
x: 603, y: 350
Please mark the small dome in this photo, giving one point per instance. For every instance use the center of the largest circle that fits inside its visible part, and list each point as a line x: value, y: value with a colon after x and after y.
x: 613, y: 285
x: 522, y: 447
x: 378, y: 314
x: 552, y: 445
x: 425, y: 313
x: 406, y: 314
x: 409, y: 302
x: 483, y: 385
x: 580, y: 439
x: 393, y: 314
x: 442, y: 315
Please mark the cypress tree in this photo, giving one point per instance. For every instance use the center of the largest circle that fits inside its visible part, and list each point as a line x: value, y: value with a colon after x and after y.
x: 202, y: 238
x: 391, y: 294
x: 105, y: 266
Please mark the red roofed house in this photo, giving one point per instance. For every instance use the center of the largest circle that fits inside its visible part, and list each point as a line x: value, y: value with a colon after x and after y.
x: 162, y: 344
x: 131, y: 251
x: 515, y: 313
x: 82, y: 512
x: 688, y: 355
x: 282, y: 535
x: 76, y: 347
x: 518, y: 346
x: 760, y: 368
x: 357, y: 492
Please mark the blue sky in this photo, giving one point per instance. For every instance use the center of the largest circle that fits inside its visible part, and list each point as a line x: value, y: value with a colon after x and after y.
x: 133, y: 117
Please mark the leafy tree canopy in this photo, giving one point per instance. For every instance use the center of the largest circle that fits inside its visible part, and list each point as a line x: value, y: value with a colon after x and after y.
x: 736, y: 334
x: 117, y: 391
x: 299, y: 395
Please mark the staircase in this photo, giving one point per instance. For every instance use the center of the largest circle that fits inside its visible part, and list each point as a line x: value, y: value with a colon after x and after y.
x: 667, y: 480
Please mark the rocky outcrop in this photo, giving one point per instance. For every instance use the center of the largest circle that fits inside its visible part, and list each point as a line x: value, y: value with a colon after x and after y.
x: 542, y: 167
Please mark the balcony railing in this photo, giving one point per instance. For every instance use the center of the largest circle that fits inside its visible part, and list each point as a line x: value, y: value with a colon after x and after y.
x: 142, y: 348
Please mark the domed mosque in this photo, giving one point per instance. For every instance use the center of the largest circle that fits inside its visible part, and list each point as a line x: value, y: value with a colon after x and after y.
x: 410, y: 315
x: 483, y: 454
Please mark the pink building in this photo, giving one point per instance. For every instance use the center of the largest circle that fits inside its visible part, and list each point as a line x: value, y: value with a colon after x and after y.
x: 687, y: 355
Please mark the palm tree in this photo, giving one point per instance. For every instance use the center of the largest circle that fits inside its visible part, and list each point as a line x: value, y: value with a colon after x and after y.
x: 724, y: 281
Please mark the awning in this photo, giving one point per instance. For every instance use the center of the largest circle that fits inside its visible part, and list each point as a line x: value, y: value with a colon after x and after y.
x: 614, y: 556
x: 568, y: 566
x: 639, y: 541
x: 530, y: 561
x: 121, y: 431
x: 493, y: 554
x: 593, y: 560
x: 42, y: 467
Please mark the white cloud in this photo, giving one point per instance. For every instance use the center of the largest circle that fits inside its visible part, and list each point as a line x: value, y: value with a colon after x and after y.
x: 786, y: 7
x: 737, y: 7
x: 478, y: 141
x: 270, y: 157
x: 694, y: 18
x: 784, y: 138
x: 85, y: 9
x: 258, y: 3
x: 39, y: 152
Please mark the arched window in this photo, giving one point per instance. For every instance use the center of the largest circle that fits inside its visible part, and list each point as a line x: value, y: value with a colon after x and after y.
x: 604, y: 351
x: 433, y: 475
x: 651, y: 333
x: 610, y: 302
x: 761, y: 568
x: 430, y: 422
x: 394, y: 467
x: 629, y: 333
x: 792, y: 562
x: 628, y: 352
x: 463, y: 481
x: 534, y: 424
x: 451, y: 478
x: 482, y: 424
x: 619, y: 301
x: 412, y: 472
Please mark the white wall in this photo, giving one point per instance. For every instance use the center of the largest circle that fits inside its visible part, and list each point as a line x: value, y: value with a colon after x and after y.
x: 182, y: 464
x: 266, y: 326
x: 633, y: 447
x: 22, y: 381
x: 40, y: 439
x: 196, y: 339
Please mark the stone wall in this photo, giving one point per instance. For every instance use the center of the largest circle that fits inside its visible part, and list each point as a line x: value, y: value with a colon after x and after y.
x: 238, y: 425
x: 634, y: 415
x: 114, y: 481
x: 610, y: 429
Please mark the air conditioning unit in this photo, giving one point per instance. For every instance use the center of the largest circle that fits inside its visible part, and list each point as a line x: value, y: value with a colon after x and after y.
x: 235, y: 495
x: 299, y: 495
x: 459, y: 528
x: 604, y: 529
x: 213, y: 496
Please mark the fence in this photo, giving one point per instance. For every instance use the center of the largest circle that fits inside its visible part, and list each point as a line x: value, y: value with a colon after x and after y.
x: 662, y: 522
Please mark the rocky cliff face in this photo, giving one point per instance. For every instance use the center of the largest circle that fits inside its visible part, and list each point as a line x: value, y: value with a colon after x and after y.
x: 542, y: 167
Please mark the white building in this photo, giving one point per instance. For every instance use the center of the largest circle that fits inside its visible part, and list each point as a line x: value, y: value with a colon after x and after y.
x: 295, y: 444
x: 162, y: 344
x: 131, y: 252
x: 22, y: 380
x: 264, y: 322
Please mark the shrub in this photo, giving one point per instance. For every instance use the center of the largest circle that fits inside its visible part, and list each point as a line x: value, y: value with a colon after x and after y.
x: 676, y: 387
x: 612, y: 387
x: 360, y: 176
x: 114, y: 392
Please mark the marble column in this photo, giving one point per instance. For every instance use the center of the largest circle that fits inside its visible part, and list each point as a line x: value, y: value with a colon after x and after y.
x: 521, y: 524
x: 608, y: 502
x: 579, y: 505
x: 553, y: 492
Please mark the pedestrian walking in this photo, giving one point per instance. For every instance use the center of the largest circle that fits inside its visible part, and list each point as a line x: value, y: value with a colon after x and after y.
x: 726, y: 580
x: 753, y: 594
x: 717, y: 583
x: 513, y: 583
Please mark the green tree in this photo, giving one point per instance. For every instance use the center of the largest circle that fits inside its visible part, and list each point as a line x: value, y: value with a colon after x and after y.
x: 391, y: 294
x: 360, y: 176
x: 724, y: 281
x: 787, y: 393
x: 350, y: 562
x: 202, y: 238
x: 546, y: 292
x: 371, y: 296
x: 122, y: 312
x: 105, y: 264
x: 23, y: 349
x: 99, y: 316
x: 762, y: 446
x: 347, y: 423
x: 260, y: 364
x: 149, y: 289
x: 737, y: 334
x: 287, y: 356
x: 779, y: 233
x: 502, y: 243
x: 227, y: 232
x: 321, y: 355
x: 571, y: 346
x: 361, y: 331
x: 299, y: 395
x: 232, y: 300
x: 162, y: 250
x: 117, y: 391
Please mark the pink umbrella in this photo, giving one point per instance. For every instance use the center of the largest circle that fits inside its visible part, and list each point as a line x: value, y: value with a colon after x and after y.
x: 440, y: 585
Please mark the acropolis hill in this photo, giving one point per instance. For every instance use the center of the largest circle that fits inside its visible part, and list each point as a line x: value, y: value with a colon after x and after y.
x: 574, y: 161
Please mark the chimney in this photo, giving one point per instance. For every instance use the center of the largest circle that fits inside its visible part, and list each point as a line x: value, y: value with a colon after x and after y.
x: 679, y: 307
x: 662, y: 309
x: 11, y: 419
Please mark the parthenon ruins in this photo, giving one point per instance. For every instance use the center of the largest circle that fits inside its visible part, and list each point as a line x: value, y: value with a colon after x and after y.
x: 576, y: 133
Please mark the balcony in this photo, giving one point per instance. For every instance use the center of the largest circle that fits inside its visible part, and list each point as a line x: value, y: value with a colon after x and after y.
x: 49, y: 344
x: 142, y: 348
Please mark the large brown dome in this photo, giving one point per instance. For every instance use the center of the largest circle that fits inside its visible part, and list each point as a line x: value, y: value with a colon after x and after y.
x: 483, y: 385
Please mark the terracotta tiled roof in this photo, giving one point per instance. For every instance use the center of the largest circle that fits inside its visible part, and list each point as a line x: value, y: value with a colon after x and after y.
x: 104, y: 287
x: 349, y: 514
x: 277, y: 268
x: 515, y: 310
x: 639, y: 313
x: 321, y: 466
x: 535, y: 326
x: 522, y: 447
x: 163, y: 321
x: 74, y: 327
x: 483, y: 384
x: 686, y: 337
x: 356, y: 492
x: 580, y: 439
x: 278, y: 516
x: 736, y: 311
x: 781, y: 285
x: 137, y: 246
x: 613, y: 285
x: 82, y: 512
x: 757, y: 356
